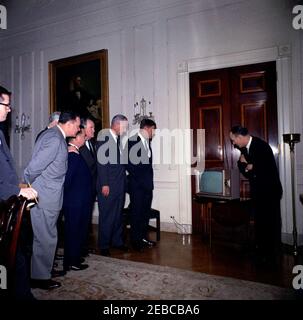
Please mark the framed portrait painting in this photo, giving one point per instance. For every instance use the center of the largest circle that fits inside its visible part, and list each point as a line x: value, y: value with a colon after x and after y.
x: 80, y: 84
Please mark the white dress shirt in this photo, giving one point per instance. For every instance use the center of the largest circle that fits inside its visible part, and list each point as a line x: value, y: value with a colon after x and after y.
x: 146, y: 144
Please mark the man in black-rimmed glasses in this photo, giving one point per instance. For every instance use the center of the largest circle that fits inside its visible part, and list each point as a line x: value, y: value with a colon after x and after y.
x: 8, y: 177
x: 6, y: 104
x: 9, y: 185
x: 5, y: 109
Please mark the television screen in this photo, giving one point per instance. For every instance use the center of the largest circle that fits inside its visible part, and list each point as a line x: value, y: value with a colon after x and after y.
x: 212, y: 182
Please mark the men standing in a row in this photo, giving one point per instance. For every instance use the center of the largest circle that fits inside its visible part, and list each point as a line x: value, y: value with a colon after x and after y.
x: 89, y: 154
x: 111, y: 185
x: 46, y: 172
x: 257, y: 163
x: 141, y: 183
x: 9, y: 185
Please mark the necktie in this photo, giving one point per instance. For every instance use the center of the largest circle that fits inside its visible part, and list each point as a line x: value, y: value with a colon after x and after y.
x: 91, y: 147
x: 87, y: 145
x: 118, y: 149
x: 244, y: 151
x: 147, y: 148
x: 118, y: 142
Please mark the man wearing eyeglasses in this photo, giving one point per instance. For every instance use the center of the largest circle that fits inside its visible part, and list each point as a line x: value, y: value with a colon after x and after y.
x: 4, y: 124
x: 9, y: 185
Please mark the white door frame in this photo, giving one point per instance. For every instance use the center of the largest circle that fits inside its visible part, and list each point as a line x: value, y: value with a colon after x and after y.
x: 282, y: 56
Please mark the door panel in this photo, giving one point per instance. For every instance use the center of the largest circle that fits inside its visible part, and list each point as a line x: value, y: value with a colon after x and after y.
x: 210, y: 111
x: 253, y: 117
x: 209, y: 118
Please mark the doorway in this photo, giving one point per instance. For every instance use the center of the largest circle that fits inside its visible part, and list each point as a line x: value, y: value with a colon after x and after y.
x: 225, y: 97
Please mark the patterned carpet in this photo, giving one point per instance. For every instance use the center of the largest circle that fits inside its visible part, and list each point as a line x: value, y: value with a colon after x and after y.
x: 114, y: 279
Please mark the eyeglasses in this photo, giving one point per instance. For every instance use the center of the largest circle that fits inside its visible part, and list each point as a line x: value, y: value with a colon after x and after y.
x: 6, y: 104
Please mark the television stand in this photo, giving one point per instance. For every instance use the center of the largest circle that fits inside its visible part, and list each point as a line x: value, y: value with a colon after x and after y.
x: 227, y: 213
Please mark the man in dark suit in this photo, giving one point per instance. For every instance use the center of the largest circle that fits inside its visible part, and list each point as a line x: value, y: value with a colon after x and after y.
x: 257, y: 163
x: 141, y: 183
x: 9, y: 185
x: 88, y: 151
x: 111, y: 184
x: 89, y: 154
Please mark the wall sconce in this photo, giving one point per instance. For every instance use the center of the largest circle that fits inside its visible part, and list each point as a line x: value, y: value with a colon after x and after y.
x: 292, y: 139
x: 23, y: 126
x: 138, y: 117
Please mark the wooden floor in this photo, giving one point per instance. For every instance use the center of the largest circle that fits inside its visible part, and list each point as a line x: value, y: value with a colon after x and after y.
x: 192, y: 253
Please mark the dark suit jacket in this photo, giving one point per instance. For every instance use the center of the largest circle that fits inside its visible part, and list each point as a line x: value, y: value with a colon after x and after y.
x: 91, y: 161
x: 111, y: 172
x: 264, y: 177
x: 77, y: 184
x: 8, y: 176
x: 139, y: 166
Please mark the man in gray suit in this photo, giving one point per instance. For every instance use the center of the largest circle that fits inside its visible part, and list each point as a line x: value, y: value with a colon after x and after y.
x: 46, y: 172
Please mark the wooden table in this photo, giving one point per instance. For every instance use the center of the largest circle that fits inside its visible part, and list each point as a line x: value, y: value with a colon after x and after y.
x: 208, y: 203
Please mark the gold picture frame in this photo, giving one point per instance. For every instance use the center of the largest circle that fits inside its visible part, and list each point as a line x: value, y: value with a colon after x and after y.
x: 80, y: 83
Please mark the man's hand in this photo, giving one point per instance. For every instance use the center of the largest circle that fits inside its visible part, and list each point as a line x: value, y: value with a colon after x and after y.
x: 249, y: 167
x: 105, y: 191
x: 28, y: 193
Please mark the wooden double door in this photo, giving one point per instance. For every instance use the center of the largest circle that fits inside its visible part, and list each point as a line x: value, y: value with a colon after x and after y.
x: 220, y: 99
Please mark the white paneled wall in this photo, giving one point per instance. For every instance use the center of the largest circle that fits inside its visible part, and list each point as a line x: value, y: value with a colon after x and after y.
x: 151, y: 45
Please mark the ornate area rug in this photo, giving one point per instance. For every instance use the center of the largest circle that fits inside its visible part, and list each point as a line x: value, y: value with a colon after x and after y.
x: 114, y: 279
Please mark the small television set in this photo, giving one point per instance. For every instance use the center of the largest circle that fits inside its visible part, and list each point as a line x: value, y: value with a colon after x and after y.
x: 218, y: 183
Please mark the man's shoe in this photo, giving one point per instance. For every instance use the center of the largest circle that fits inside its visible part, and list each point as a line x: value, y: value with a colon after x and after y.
x: 148, y: 243
x: 78, y: 267
x: 58, y: 273
x: 104, y: 252
x: 122, y: 248
x: 48, y: 284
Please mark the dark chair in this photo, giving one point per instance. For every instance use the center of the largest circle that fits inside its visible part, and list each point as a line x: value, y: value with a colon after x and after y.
x: 154, y: 214
x: 11, y: 214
